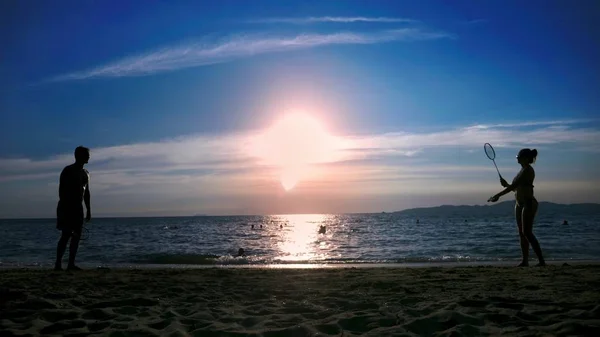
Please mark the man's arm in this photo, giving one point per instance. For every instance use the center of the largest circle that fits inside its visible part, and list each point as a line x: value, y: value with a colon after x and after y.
x: 61, y: 186
x: 86, y: 200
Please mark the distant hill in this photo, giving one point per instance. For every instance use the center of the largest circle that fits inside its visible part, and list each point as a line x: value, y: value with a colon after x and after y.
x: 499, y: 209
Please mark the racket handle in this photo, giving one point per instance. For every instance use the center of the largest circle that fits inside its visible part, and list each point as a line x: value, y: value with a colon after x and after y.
x: 499, y: 175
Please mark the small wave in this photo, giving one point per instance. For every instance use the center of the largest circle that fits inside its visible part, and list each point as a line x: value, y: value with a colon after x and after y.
x: 177, y: 259
x: 210, y: 259
x: 448, y: 259
x: 199, y: 259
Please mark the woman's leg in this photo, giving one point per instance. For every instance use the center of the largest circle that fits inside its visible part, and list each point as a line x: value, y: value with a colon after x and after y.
x: 529, y: 212
x: 522, y: 237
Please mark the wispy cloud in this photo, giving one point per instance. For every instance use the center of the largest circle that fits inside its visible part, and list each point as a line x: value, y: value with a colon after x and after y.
x: 236, y: 153
x: 561, y: 123
x: 475, y: 22
x: 201, y: 169
x: 333, y: 19
x: 528, y: 133
x: 195, y: 55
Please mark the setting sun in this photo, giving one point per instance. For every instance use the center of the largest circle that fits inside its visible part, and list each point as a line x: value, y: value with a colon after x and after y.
x: 293, y: 143
x: 290, y: 177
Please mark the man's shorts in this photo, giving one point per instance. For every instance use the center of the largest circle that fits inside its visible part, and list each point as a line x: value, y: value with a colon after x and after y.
x: 69, y: 217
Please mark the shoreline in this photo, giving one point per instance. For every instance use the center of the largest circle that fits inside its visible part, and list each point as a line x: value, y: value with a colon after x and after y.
x: 366, y: 265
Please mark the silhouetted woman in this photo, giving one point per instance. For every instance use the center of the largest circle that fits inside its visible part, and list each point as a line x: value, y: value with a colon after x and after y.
x: 526, y: 205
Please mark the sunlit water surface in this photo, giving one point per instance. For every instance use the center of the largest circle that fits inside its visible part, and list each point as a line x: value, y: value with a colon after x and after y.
x: 296, y: 240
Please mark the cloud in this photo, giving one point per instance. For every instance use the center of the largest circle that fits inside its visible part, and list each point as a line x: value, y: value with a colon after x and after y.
x: 475, y: 22
x: 201, y: 54
x: 558, y: 123
x: 176, y: 172
x: 333, y: 19
x: 236, y: 153
x: 527, y: 133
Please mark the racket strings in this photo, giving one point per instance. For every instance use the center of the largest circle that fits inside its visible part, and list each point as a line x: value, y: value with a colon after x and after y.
x: 489, y: 151
x: 491, y: 154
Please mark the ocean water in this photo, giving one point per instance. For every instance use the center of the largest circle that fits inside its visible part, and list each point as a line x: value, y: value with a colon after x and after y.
x: 295, y: 239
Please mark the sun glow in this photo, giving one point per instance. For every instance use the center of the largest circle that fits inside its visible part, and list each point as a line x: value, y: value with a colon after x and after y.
x: 290, y: 177
x: 295, y: 142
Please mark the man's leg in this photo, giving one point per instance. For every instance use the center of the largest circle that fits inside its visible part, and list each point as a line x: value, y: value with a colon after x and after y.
x: 73, y: 247
x: 60, y: 249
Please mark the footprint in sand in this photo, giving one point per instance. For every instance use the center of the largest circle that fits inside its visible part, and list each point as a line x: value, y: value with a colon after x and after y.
x: 126, y: 310
x: 98, y: 315
x: 159, y: 325
x: 58, y: 315
x: 328, y: 329
x: 61, y: 326
x: 97, y: 326
x: 133, y: 302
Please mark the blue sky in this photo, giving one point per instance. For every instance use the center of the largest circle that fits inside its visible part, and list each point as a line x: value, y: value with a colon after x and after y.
x: 170, y: 96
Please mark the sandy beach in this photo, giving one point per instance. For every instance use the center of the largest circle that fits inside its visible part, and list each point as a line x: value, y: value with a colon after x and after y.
x: 459, y: 301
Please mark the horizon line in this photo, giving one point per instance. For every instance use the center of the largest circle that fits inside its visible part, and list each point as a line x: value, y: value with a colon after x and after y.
x: 484, y: 204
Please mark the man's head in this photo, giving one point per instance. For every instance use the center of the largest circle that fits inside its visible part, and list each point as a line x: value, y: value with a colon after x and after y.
x: 82, y: 154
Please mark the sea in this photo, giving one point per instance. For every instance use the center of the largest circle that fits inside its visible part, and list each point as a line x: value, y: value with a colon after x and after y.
x: 309, y: 240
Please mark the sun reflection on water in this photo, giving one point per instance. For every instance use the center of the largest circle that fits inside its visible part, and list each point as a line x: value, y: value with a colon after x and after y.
x: 301, y: 240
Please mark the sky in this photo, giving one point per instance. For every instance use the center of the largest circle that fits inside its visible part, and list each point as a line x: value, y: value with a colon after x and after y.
x: 281, y: 107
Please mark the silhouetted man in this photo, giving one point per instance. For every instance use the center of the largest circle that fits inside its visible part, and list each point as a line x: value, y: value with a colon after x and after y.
x: 73, y: 189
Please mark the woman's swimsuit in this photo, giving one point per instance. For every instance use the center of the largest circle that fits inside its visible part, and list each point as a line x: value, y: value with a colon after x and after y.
x: 523, y: 184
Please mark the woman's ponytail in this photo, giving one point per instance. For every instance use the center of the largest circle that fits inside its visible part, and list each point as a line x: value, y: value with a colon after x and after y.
x: 533, y: 156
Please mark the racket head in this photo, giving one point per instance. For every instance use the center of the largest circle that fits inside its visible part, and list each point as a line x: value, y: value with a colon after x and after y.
x: 489, y: 151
